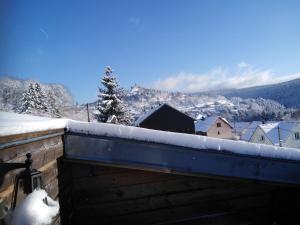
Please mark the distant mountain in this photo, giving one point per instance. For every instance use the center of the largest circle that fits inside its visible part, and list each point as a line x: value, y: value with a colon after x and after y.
x: 142, y: 99
x: 11, y: 90
x: 286, y: 93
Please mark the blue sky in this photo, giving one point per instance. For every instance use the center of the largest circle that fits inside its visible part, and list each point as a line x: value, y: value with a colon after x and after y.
x: 172, y: 45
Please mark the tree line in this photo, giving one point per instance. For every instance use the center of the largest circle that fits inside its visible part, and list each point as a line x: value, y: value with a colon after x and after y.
x: 111, y: 107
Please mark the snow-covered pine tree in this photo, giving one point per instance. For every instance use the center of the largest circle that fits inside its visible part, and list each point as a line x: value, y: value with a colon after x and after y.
x: 40, y: 99
x: 28, y: 103
x: 52, y: 105
x: 110, y: 103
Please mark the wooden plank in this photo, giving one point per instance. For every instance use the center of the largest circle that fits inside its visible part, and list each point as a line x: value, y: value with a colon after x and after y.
x: 121, y: 179
x: 52, y: 188
x: 17, y: 153
x: 24, y: 136
x: 171, y: 200
x: 167, y: 186
x: 206, y: 213
x: 40, y: 157
x: 82, y: 170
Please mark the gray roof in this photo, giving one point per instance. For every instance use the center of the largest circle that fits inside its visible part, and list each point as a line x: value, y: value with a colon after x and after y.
x: 248, y: 132
x: 239, y: 127
x: 271, y: 130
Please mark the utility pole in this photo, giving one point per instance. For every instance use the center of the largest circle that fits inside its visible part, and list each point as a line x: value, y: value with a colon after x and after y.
x: 88, y: 113
x: 279, y: 137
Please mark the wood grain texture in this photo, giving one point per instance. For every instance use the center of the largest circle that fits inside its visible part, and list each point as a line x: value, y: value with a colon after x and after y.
x: 44, y: 154
x: 18, y: 137
x: 129, y: 196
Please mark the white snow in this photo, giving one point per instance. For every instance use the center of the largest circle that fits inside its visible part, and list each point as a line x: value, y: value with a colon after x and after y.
x: 33, y: 211
x: 184, y: 140
x: 12, y: 123
x: 141, y: 134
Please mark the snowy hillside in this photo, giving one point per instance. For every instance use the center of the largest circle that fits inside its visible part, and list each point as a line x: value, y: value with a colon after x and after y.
x: 142, y: 99
x: 286, y: 93
x: 11, y: 90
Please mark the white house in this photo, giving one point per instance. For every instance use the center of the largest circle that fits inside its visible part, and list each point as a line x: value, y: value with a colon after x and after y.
x: 247, y: 130
x: 284, y: 133
x: 214, y: 126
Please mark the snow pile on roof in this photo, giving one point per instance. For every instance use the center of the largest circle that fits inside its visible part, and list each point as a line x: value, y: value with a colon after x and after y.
x: 12, y: 123
x: 247, y: 134
x: 272, y: 132
x: 184, y: 140
x: 204, y: 125
x: 34, y: 211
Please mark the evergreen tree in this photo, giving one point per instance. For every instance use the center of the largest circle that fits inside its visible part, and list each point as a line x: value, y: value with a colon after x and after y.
x: 33, y: 100
x: 40, y: 99
x: 52, y: 105
x: 28, y: 101
x: 110, y: 104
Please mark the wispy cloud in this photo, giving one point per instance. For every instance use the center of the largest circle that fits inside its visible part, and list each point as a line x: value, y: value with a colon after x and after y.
x: 44, y: 33
x: 245, y: 75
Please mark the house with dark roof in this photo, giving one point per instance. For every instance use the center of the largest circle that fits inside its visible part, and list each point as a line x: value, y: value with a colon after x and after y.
x: 166, y: 118
x: 214, y: 126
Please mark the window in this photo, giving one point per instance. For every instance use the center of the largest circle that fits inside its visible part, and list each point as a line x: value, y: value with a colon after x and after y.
x: 219, y: 133
x: 297, y: 136
x: 218, y: 124
x: 262, y: 138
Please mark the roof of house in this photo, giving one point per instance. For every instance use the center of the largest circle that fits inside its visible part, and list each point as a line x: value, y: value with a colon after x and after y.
x: 272, y: 133
x: 152, y: 111
x: 207, y: 123
x: 249, y: 131
x: 239, y: 127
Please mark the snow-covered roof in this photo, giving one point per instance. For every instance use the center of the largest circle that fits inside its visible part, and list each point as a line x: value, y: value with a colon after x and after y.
x: 248, y: 132
x: 184, y: 140
x: 13, y: 123
x: 272, y: 132
x: 239, y: 127
x: 150, y: 112
x: 207, y: 123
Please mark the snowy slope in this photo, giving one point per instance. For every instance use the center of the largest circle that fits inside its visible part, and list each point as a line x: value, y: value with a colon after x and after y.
x: 141, y: 100
x: 286, y: 93
x: 11, y: 90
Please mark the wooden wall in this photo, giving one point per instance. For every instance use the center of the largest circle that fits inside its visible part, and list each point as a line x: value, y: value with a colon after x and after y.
x: 111, y: 195
x: 44, y: 154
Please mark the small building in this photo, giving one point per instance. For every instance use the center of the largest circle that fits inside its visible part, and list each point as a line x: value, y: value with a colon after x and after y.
x: 166, y: 118
x: 214, y: 126
x: 284, y: 134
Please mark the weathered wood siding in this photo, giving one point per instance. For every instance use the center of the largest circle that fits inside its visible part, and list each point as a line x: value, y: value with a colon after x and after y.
x: 44, y: 154
x: 110, y: 195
